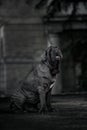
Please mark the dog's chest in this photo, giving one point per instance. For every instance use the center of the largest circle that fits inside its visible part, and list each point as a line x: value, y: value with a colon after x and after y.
x: 48, y: 87
x: 47, y: 80
x: 48, y: 84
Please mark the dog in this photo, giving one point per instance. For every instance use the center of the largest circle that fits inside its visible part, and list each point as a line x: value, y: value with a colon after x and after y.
x: 35, y: 90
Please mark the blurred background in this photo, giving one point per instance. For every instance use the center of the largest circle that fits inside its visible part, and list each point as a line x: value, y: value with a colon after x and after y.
x: 26, y: 28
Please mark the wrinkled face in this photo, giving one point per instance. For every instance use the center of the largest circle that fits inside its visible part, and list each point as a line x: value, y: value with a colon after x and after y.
x: 54, y: 55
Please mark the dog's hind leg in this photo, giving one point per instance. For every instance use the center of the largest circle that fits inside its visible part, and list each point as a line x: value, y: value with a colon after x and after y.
x: 14, y: 107
x: 16, y: 102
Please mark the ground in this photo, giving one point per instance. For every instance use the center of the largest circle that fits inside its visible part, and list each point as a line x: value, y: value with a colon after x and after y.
x: 70, y: 114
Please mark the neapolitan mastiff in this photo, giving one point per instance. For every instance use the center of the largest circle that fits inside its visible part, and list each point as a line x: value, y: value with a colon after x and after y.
x: 35, y: 91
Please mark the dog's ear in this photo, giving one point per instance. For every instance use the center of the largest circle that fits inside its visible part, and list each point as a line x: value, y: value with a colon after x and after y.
x: 44, y: 56
x: 48, y: 53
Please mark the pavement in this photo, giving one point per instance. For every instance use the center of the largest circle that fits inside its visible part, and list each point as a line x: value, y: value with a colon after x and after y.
x: 70, y: 114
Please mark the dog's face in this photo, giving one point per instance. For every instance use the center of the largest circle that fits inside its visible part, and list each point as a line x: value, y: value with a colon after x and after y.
x: 53, y: 55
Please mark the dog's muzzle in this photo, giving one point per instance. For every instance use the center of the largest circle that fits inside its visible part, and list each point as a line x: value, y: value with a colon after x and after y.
x: 58, y: 57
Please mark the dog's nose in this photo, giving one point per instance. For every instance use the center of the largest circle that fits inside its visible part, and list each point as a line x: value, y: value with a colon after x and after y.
x: 57, y: 57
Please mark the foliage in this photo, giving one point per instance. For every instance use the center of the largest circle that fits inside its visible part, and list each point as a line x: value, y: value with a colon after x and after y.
x: 53, y: 6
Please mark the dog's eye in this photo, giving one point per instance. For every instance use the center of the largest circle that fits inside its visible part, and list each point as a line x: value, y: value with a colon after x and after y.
x: 57, y: 54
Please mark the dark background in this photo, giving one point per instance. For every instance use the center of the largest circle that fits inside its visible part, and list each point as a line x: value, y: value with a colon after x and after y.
x: 26, y: 28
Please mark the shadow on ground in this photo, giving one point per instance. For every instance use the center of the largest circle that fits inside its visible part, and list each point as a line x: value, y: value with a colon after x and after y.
x: 71, y: 113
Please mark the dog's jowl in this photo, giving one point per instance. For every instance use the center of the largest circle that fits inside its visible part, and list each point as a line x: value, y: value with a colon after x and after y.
x: 35, y: 92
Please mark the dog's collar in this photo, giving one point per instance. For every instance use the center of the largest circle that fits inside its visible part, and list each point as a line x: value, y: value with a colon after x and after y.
x: 52, y: 85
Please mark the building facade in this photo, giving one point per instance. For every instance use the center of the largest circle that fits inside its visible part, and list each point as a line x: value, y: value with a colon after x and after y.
x: 25, y: 32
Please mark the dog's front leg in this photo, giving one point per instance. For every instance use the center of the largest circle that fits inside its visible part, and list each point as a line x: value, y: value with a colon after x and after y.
x: 48, y: 101
x: 42, y: 96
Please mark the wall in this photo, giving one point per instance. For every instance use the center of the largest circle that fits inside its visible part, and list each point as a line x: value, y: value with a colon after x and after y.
x: 24, y: 42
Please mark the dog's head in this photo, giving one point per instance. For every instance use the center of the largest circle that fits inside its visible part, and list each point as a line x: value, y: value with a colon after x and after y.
x: 52, y: 57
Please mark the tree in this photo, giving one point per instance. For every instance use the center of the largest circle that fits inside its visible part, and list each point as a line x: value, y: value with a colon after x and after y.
x: 53, y: 6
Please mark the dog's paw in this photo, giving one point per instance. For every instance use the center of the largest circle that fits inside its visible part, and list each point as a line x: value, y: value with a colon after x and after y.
x: 43, y: 110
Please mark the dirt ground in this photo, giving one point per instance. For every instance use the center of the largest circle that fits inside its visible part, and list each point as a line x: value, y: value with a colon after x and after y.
x: 70, y: 114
